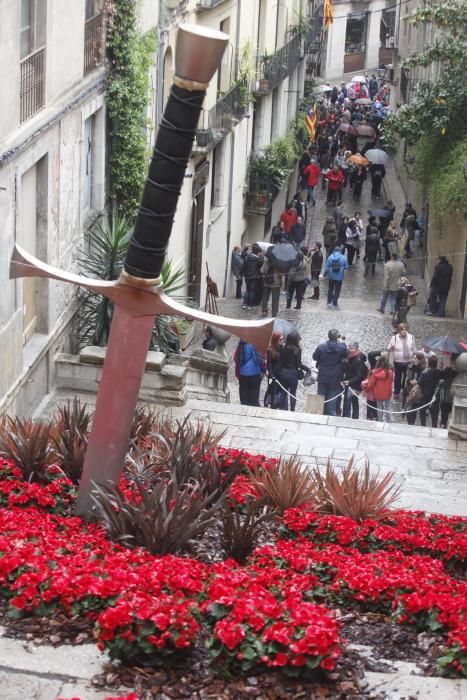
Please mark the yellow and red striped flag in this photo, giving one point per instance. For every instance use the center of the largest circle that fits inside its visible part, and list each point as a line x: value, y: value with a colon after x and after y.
x: 310, y: 123
x: 327, y: 14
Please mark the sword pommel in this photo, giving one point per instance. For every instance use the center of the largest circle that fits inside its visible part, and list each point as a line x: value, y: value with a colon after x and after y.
x: 198, y: 53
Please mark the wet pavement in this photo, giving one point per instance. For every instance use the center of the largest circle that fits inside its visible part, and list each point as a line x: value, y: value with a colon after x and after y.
x: 357, y: 319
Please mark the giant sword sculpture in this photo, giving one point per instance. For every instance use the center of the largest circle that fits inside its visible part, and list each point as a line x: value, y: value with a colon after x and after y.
x: 138, y: 294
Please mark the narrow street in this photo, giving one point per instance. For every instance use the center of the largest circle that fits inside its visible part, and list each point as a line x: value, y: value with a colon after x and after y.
x: 357, y: 318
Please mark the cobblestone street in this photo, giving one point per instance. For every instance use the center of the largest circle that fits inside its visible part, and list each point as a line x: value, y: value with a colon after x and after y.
x: 357, y: 318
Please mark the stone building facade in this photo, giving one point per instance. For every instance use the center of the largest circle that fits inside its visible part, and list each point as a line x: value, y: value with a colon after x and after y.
x: 361, y: 37
x: 53, y: 155
x: 52, y: 175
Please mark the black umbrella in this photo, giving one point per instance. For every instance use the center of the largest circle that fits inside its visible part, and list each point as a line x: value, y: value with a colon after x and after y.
x: 443, y: 343
x: 381, y: 213
x: 283, y: 256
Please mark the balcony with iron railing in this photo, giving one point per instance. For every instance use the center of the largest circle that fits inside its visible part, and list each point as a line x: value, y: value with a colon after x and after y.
x: 272, y: 69
x: 32, y: 84
x: 93, y: 43
x: 218, y: 121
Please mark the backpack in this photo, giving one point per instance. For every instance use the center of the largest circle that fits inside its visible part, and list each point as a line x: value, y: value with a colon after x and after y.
x: 269, y: 276
x: 336, y: 265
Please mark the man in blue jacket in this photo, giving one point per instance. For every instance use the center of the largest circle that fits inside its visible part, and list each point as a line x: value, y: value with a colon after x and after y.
x: 336, y: 265
x: 329, y: 357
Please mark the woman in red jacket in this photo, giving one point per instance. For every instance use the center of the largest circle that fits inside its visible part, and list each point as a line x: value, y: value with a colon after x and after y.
x: 380, y: 382
x: 289, y: 218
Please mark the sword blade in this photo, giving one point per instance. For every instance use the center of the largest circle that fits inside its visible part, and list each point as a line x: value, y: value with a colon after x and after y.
x: 122, y: 373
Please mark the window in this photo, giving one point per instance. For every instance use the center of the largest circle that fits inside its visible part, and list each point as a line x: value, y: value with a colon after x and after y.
x: 355, y: 33
x: 33, y: 26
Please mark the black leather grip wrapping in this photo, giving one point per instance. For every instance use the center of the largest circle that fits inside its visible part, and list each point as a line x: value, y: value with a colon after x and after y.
x: 153, y: 226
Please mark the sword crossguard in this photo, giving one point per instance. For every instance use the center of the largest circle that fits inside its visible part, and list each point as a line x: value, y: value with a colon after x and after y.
x: 141, y: 300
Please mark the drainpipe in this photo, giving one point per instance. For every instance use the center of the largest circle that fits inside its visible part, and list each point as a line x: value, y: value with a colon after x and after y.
x: 231, y: 169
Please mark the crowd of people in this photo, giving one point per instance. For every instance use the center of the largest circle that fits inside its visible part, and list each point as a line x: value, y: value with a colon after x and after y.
x: 396, y: 379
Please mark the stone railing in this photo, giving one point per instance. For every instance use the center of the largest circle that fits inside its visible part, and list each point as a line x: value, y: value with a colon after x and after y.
x: 167, y: 381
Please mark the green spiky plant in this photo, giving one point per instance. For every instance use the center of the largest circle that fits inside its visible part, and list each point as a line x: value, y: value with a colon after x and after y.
x: 103, y: 259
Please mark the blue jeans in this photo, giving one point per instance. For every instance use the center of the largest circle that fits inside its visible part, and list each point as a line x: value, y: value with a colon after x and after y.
x: 334, y: 291
x: 329, y: 390
x: 289, y: 380
x: 384, y: 406
x: 311, y: 193
x: 384, y: 297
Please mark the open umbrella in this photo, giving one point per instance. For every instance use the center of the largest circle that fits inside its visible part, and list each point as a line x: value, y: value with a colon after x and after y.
x: 363, y: 101
x: 347, y: 128
x: 264, y: 245
x: 377, y: 156
x: 443, y: 343
x: 366, y: 130
x: 323, y: 88
x: 283, y: 256
x: 358, y: 79
x: 284, y: 327
x: 358, y: 159
x: 380, y: 213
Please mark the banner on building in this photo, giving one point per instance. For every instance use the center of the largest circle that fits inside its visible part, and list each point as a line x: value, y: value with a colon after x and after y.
x: 310, y: 122
x: 327, y: 14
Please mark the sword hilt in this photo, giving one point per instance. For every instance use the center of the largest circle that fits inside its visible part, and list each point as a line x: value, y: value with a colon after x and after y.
x: 197, y: 56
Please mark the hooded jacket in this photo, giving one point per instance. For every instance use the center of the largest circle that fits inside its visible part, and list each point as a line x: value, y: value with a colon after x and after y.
x: 329, y: 358
x: 380, y: 384
x: 335, y: 275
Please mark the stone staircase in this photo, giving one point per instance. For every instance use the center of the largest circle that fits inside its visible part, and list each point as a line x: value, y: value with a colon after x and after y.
x: 430, y: 467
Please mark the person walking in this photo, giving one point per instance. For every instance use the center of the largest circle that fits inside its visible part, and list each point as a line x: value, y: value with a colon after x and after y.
x: 272, y: 281
x: 250, y: 367
x: 352, y: 238
x: 329, y: 234
x: 428, y: 384
x: 311, y: 174
x: 358, y: 178
x: 377, y: 174
x: 335, y: 268
x: 298, y: 232
x: 316, y: 265
x: 390, y: 241
x: 273, y: 363
x: 439, y: 287
x: 329, y: 357
x: 372, y: 250
x: 380, y: 383
x: 408, y: 223
x: 335, y: 180
x: 402, y: 347
x: 289, y: 218
x: 447, y: 376
x: 296, y: 281
x: 291, y: 370
x: 394, y: 269
x: 405, y: 298
x: 373, y: 87
x: 236, y: 267
x: 412, y: 376
x: 251, y: 273
x: 355, y: 372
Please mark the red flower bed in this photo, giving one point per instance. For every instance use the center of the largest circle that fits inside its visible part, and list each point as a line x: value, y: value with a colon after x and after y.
x: 276, y: 611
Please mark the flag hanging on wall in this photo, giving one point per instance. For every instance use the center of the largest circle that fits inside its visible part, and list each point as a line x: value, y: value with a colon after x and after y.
x: 327, y: 14
x: 310, y: 122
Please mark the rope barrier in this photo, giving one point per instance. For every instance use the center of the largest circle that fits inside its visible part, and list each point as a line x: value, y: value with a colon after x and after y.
x: 384, y: 410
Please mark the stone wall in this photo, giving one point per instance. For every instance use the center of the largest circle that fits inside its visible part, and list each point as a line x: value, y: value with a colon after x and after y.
x: 166, y: 381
